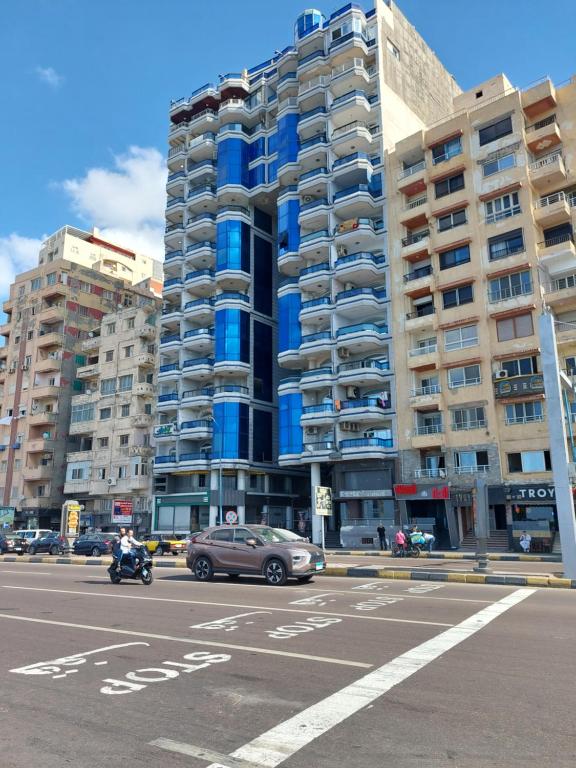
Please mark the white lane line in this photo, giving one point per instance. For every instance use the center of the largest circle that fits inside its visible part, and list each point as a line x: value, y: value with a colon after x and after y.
x: 190, y: 641
x: 200, y: 753
x: 284, y: 740
x: 27, y: 573
x: 228, y: 605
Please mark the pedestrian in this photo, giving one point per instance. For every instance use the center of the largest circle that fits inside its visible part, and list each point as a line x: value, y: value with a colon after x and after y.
x: 400, y: 539
x: 525, y: 542
x: 416, y: 536
x: 429, y: 541
x: 381, y: 536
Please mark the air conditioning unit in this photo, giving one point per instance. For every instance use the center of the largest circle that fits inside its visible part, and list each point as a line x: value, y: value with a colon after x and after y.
x: 25, y: 367
x: 350, y: 426
x: 312, y: 431
x: 341, y: 250
x: 308, y: 198
x: 111, y: 481
x: 349, y: 286
x: 352, y: 392
x: 501, y: 375
x: 343, y: 353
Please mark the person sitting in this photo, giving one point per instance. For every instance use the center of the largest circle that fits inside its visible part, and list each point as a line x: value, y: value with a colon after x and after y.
x: 525, y: 542
x: 416, y: 536
x: 127, y: 558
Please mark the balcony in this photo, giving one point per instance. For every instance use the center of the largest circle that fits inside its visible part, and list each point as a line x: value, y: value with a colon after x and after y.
x: 201, y: 196
x: 475, y: 469
x: 366, y: 447
x: 428, y: 436
x: 555, y: 209
x: 418, y: 279
x: 200, y: 255
x: 200, y: 310
x: 312, y: 121
x: 415, y: 243
x: 426, y: 397
x: 200, y: 282
x: 350, y: 107
x: 43, y: 418
x: 145, y: 360
x: 196, y: 429
x: 317, y: 450
x: 315, y: 213
x: 173, y: 235
x: 173, y: 286
x: 421, y: 358
x: 51, y: 315
x: 168, y: 401
x: 357, y: 200
x: 316, y: 343
x: 198, y: 368
x: 41, y: 444
x: 316, y: 309
x: 365, y: 409
x: 427, y: 473
x: 147, y: 332
x: 75, y: 487
x: 543, y: 135
x: 355, y: 136
x: 169, y: 372
x: 558, y: 253
x: 233, y: 299
x: 82, y: 427
x: 232, y: 392
x: 202, y: 170
x: 316, y: 277
x: 561, y: 292
x: 314, y: 181
x: 50, y: 363
x: 199, y: 398
x: 45, y: 391
x: 202, y: 226
x: 195, y: 460
x: 315, y: 242
x: 361, y: 302
x: 316, y: 378
x: 50, y: 339
x: 363, y: 372
x: 350, y: 74
x: 412, y: 179
x: 142, y: 420
x: 360, y: 235
x: 321, y: 413
x: 548, y: 171
x: 198, y: 339
x: 165, y: 463
x: 540, y: 98
x: 364, y: 267
x: 422, y: 317
x: 362, y: 337
x: 233, y: 280
x: 143, y: 389
x: 41, y: 472
x: 170, y: 341
x: 202, y: 147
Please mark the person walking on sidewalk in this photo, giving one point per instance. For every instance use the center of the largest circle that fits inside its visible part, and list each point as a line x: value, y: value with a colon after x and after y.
x: 381, y: 536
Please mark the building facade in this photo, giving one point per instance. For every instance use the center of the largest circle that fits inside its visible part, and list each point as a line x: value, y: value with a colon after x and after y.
x: 50, y: 312
x: 277, y: 361
x: 481, y: 221
x: 110, y: 448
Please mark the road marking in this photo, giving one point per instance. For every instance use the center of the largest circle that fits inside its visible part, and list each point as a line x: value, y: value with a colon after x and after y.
x: 73, y: 660
x: 228, y: 624
x: 199, y: 752
x: 227, y: 605
x: 27, y: 573
x: 190, y: 641
x: 284, y: 740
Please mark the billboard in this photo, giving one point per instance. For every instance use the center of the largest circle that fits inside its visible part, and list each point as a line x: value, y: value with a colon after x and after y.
x: 7, y: 517
x: 322, y: 500
x: 73, y: 511
x: 122, y: 511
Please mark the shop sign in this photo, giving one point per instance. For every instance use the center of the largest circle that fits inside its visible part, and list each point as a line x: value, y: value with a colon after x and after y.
x: 411, y: 491
x: 73, y: 518
x: 378, y: 494
x: 462, y: 498
x: 323, y: 500
x: 7, y: 517
x: 165, y: 430
x: 532, y: 492
x: 122, y: 511
x: 519, y: 385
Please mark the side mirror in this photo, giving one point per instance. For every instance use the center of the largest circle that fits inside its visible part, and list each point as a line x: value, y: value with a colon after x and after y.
x: 251, y: 542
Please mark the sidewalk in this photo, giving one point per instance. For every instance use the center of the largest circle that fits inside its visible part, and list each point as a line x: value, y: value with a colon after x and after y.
x: 451, y: 555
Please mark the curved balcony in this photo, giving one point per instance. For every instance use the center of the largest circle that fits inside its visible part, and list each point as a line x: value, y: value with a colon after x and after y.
x: 314, y: 344
x: 315, y: 60
x: 165, y: 463
x: 172, y: 287
x: 289, y: 384
x: 313, y: 153
x: 175, y: 208
x: 233, y: 280
x: 194, y: 460
x: 168, y: 401
x: 198, y: 339
x: 317, y: 378
x: 232, y: 298
x: 202, y: 197
x: 200, y: 255
x: 169, y: 372
x: 312, y: 121
x: 415, y: 243
x: 175, y: 183
x: 366, y: 447
x: 201, y: 397
x: 196, y: 429
x: 313, y: 90
x: 351, y: 74
x: 289, y: 262
x: 173, y: 259
x: 170, y: 341
x: 198, y: 368
x: 317, y: 310
x: 354, y: 168
x: 314, y: 214
x: 363, y: 372
x: 321, y: 413
x: 350, y: 107
x: 316, y: 277
x: 357, y: 200
x: 314, y: 181
x: 362, y: 337
x: 362, y: 234
x: 202, y: 147
x: 232, y: 368
x: 164, y: 433
x: 200, y: 310
x: 200, y: 281
x: 232, y: 392
x: 318, y: 448
x: 364, y: 267
x: 315, y: 244
x: 361, y: 302
x: 202, y: 226
x: 366, y: 409
x: 354, y: 136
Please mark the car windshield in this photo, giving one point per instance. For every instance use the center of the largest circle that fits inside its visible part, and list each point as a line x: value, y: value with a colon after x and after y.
x: 271, y: 535
x: 289, y: 535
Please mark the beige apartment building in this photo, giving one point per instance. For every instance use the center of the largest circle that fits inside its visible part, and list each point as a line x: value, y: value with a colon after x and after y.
x: 110, y: 452
x: 481, y: 217
x: 50, y: 312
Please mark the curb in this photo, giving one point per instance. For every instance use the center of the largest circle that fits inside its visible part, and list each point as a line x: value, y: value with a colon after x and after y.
x: 509, y: 557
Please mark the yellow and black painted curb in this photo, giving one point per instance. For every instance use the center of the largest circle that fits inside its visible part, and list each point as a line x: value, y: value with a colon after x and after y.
x: 512, y: 580
x: 504, y: 556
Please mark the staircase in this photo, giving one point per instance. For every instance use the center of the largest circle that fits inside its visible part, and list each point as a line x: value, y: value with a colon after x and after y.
x: 557, y: 546
x: 497, y: 542
x: 332, y: 540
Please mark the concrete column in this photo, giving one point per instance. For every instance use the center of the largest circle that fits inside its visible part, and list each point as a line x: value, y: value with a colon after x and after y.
x: 213, y: 520
x: 241, y: 508
x: 558, y: 444
x: 290, y: 518
x: 317, y: 521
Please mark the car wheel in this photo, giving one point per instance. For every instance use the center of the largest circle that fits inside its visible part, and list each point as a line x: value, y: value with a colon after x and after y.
x: 32, y: 551
x: 159, y: 551
x: 54, y: 550
x: 275, y: 572
x: 305, y: 579
x: 174, y: 553
x: 203, y: 569
x: 95, y: 552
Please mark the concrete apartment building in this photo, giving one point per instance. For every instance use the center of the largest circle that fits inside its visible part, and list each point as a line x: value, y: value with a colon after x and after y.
x: 276, y: 243
x: 110, y: 448
x: 481, y: 236
x: 50, y: 312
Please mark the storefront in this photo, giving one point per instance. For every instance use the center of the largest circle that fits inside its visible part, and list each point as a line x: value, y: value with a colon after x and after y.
x: 181, y: 512
x: 431, y: 508
x: 530, y: 508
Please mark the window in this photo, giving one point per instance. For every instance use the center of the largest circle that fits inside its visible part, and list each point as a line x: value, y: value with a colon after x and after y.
x: 502, y: 207
x: 470, y: 461
x: 505, y: 245
x: 84, y: 286
x: 461, y: 338
x: 523, y: 366
x: 148, y: 409
x: 108, y: 295
x: 451, y: 220
x: 468, y: 418
x: 517, y: 284
x: 101, y: 473
x: 125, y: 410
x: 515, y: 327
x: 467, y: 376
x: 41, y: 490
x: 122, y: 472
x: 123, y: 440
x: 495, y: 131
x: 51, y: 278
x: 445, y: 151
x: 107, y: 386
x: 125, y: 383
x: 449, y: 185
x: 130, y: 323
x: 393, y: 50
x: 110, y: 329
x: 79, y: 413
x: 524, y: 413
x: 109, y: 355
x: 78, y: 473
x: 105, y: 413
x: 224, y: 535
x: 502, y: 163
x: 103, y: 442
x: 454, y: 257
x: 36, y: 284
x: 529, y: 461
x: 456, y: 297
x: 30, y: 335
x: 128, y: 351
x: 571, y: 365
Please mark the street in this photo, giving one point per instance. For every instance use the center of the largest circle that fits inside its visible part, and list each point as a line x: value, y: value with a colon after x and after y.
x: 233, y: 674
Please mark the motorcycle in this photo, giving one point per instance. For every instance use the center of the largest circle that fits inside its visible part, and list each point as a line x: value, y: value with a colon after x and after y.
x: 142, y: 569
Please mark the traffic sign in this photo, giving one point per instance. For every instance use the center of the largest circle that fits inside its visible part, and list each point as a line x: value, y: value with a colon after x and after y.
x: 231, y: 517
x: 323, y: 500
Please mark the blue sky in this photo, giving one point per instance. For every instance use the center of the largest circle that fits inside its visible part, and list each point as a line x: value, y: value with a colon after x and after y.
x: 86, y: 87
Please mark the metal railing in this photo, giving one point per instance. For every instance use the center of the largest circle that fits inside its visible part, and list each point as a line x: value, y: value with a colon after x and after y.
x: 415, y: 237
x: 203, y: 392
x: 550, y: 159
x: 321, y: 80
x: 432, y: 389
x: 428, y: 429
x: 423, y: 311
x: 365, y: 402
x: 541, y: 124
x: 367, y: 442
x: 360, y: 256
x: 550, y: 242
x: 196, y: 424
x: 325, y: 371
x: 524, y: 419
x: 194, y: 332
x: 428, y: 472
x: 322, y: 301
x: 353, y: 292
x: 321, y: 233
x: 502, y: 294
x: 418, y: 273
x: 472, y: 470
x: 355, y: 125
x: 314, y: 172
x: 361, y: 327
x: 319, y: 408
x: 459, y: 426
x: 464, y: 383
x: 560, y: 283
x: 323, y: 267
x: 412, y: 169
x: 506, y: 213
x: 199, y: 273
x: 416, y: 203
x: 319, y: 336
x: 379, y: 365
x: 197, y: 362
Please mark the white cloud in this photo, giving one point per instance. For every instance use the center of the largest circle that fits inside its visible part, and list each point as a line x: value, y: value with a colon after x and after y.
x: 49, y: 76
x: 17, y: 254
x: 126, y: 202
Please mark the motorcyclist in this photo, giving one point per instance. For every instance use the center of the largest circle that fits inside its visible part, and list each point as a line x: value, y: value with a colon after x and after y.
x: 128, y: 544
x: 116, y: 551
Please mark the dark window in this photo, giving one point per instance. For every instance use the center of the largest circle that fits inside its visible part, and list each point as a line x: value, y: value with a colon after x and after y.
x: 263, y: 361
x: 224, y: 535
x: 523, y: 366
x: 447, y: 186
x: 261, y: 435
x: 506, y: 245
x: 495, y: 131
x: 529, y: 461
x: 454, y: 257
x: 263, y: 220
x: 458, y: 296
x: 262, y: 276
x: 517, y: 327
x: 451, y: 220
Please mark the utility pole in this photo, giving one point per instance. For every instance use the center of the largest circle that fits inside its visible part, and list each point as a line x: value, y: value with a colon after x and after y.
x: 554, y: 381
x: 481, y: 524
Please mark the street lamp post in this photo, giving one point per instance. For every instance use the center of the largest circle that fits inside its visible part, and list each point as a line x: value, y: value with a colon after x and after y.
x: 221, y: 445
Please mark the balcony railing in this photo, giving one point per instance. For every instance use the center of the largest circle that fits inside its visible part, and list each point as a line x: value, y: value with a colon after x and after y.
x: 423, y: 311
x: 174, y: 201
x: 550, y: 242
x: 355, y: 125
x: 319, y: 336
x: 169, y: 367
x: 325, y: 371
x: 415, y: 237
x: 416, y: 203
x: 378, y: 365
x: 170, y: 338
x: 361, y: 327
x: 322, y: 301
x: 323, y: 267
x: 319, y: 408
x: 199, y: 273
x: 314, y: 204
x: 197, y: 362
x: 356, y: 189
x: 196, y: 424
x: 195, y: 456
x: 165, y: 460
x: 502, y: 294
x: 314, y: 82
x: 476, y: 469
x: 232, y: 388
x: 429, y: 429
x: 524, y: 419
x: 198, y: 332
x: 372, y: 292
x: 412, y: 169
x: 365, y: 402
x: 176, y: 175
x: 311, y: 57
x: 550, y: 159
x: 568, y: 281
x: 312, y: 142
x: 459, y: 426
x: 367, y: 442
x: 170, y: 397
x: 321, y: 110
x: 361, y: 256
x: 203, y: 392
x: 321, y: 233
x: 314, y: 172
x: 541, y: 124
x: 199, y: 303
x: 172, y: 255
x: 506, y: 213
x: 198, y: 246
x: 418, y: 273
x: 427, y: 472
x: 201, y: 189
x: 432, y: 389
x: 232, y: 296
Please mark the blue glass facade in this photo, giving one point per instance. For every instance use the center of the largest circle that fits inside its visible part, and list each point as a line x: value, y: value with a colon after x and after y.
x: 290, y: 431
x: 288, y: 227
x: 288, y: 143
x: 232, y: 245
x: 261, y: 435
x: 263, y: 362
x: 257, y: 175
x: 257, y: 148
x: 289, y: 328
x: 231, y: 429
x: 375, y: 184
x: 232, y: 335
x: 232, y: 162
x: 262, y: 276
x: 308, y: 22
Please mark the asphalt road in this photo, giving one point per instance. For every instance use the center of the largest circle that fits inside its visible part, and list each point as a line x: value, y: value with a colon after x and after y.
x: 236, y: 674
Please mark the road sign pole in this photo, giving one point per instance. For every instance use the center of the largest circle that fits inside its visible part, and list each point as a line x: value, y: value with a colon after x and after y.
x: 482, y: 524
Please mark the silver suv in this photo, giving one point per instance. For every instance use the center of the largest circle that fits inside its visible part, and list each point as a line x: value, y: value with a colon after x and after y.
x: 253, y: 550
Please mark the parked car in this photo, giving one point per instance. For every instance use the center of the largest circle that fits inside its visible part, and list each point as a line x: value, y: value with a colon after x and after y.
x: 95, y: 544
x: 52, y: 543
x: 3, y: 544
x: 163, y: 543
x: 255, y: 550
x: 24, y: 537
x: 16, y: 544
